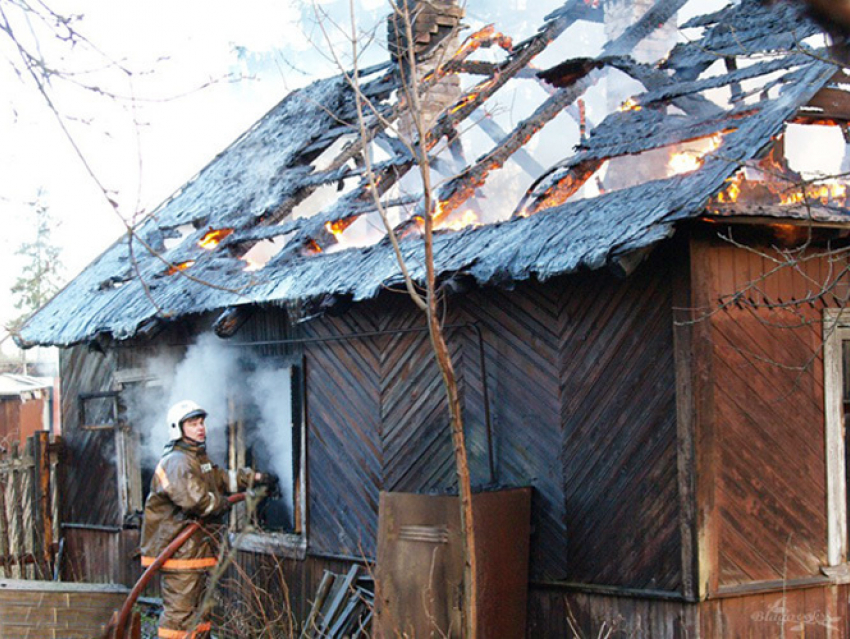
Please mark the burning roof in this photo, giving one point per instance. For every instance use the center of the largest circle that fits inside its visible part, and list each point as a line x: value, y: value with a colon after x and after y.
x: 264, y: 221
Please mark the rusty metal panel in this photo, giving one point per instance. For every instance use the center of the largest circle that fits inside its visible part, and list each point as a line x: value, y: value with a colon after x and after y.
x: 503, y: 530
x: 420, y: 564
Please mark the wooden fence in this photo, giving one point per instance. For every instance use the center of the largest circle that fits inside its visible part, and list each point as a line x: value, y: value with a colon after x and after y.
x: 29, y: 508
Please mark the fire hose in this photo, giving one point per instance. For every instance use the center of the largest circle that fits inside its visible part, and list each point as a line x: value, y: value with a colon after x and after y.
x: 165, y: 555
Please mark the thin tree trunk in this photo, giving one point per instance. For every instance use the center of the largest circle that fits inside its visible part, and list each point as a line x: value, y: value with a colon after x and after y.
x: 410, y: 87
x: 444, y: 361
x: 470, y: 577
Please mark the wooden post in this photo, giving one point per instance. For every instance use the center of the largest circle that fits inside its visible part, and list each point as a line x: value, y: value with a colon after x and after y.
x: 683, y: 331
x: 17, y: 538
x: 29, y: 498
x: 54, y: 451
x: 704, y: 430
x: 5, y: 550
x: 44, y: 519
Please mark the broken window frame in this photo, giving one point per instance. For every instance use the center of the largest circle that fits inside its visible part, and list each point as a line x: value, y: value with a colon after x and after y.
x: 128, y: 447
x: 127, y: 465
x: 287, y: 544
x: 83, y: 398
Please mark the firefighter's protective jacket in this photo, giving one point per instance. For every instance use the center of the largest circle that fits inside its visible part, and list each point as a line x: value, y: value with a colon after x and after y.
x: 186, y: 487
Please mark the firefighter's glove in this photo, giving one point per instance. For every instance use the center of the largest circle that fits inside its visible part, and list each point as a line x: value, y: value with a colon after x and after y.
x: 271, y: 482
x: 253, y: 496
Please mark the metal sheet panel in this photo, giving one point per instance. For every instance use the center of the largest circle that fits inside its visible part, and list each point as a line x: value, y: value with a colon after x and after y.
x: 420, y: 564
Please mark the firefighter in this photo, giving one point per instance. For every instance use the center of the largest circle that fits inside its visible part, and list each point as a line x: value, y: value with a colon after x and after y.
x: 187, y: 487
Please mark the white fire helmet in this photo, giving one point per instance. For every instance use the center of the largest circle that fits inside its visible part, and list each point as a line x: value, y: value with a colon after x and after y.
x: 179, y: 413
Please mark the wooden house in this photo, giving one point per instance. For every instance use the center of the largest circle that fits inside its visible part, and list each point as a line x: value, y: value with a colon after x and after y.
x: 664, y: 362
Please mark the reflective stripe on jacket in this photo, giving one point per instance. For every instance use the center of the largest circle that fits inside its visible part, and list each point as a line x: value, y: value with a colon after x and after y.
x: 187, y: 486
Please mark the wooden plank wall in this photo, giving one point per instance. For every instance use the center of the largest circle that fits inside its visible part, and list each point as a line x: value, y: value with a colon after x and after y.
x: 91, y: 484
x: 582, y: 390
x: 813, y: 613
x: 818, y: 612
x: 50, y: 610
x: 770, y: 494
x: 343, y: 440
x: 578, y: 615
x: 101, y: 556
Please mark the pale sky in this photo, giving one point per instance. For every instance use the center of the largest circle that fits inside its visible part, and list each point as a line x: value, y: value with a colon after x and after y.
x: 230, y: 61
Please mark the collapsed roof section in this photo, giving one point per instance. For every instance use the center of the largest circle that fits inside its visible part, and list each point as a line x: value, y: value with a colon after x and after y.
x: 264, y: 223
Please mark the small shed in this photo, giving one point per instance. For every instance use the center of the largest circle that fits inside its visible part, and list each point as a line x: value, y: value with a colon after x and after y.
x: 26, y: 406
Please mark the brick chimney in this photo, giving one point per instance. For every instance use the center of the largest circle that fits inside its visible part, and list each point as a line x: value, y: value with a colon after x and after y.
x: 435, y: 26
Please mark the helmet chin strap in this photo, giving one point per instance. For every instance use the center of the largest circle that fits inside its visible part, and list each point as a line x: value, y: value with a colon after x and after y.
x: 189, y: 440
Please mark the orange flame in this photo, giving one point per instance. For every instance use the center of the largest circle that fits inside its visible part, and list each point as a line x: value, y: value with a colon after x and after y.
x: 826, y: 193
x: 468, y: 99
x: 335, y: 228
x: 182, y: 266
x: 688, y: 161
x: 684, y: 163
x: 630, y: 105
x: 338, y: 227
x: 467, y: 218
x: 211, y: 239
x: 731, y: 193
x: 484, y: 37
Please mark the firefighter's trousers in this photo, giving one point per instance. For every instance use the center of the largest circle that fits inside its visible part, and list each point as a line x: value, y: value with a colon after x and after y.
x: 183, y: 594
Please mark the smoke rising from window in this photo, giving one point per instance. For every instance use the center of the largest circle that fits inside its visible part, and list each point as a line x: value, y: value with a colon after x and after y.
x: 215, y: 375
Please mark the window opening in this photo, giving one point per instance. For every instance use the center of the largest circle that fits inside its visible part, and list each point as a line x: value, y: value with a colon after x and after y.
x: 98, y: 411
x: 266, y: 435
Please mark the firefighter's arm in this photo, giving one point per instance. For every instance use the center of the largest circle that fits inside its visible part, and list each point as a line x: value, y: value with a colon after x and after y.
x: 236, y: 480
x: 190, y: 494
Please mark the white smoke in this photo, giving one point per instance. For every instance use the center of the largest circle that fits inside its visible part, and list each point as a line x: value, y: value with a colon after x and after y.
x: 208, y: 375
x: 213, y: 374
x: 272, y: 393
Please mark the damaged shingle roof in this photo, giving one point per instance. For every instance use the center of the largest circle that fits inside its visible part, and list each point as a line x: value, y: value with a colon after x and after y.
x: 253, y: 186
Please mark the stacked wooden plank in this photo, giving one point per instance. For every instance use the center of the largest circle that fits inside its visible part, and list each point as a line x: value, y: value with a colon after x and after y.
x: 342, y: 607
x: 50, y: 610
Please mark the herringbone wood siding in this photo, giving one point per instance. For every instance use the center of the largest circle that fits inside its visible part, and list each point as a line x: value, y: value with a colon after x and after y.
x: 582, y: 395
x: 344, y: 436
x: 620, y: 431
x: 418, y: 455
x: 521, y: 333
